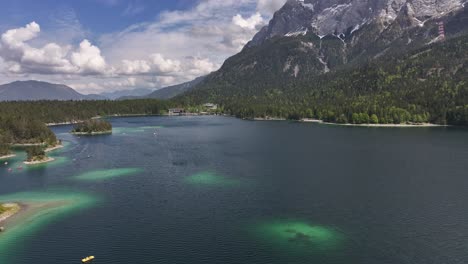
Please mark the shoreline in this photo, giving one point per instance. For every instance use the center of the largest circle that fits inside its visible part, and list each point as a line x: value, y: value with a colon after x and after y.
x: 316, y: 121
x: 58, y: 146
x: 7, y: 156
x: 63, y: 123
x: 304, y: 120
x: 49, y: 159
x: 15, y: 208
x: 92, y: 133
x: 268, y: 119
x: 25, y: 211
x: 28, y: 145
x: 54, y: 148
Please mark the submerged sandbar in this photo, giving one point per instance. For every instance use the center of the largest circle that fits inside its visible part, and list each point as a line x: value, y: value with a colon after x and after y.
x: 299, y: 237
x: 106, y: 174
x: 208, y: 178
x: 7, y: 210
x: 35, y: 210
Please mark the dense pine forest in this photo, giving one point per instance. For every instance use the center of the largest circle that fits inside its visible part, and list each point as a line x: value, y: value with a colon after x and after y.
x: 20, y: 129
x: 67, y: 111
x: 92, y: 126
x: 25, y: 122
x: 428, y: 84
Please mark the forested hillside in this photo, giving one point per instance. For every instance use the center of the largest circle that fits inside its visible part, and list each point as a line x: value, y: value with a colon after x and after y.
x: 25, y: 122
x: 403, y: 73
x: 427, y: 85
x: 67, y: 111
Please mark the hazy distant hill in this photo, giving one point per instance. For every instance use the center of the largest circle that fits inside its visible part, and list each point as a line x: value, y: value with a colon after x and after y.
x: 36, y: 90
x: 135, y: 92
x: 170, y: 91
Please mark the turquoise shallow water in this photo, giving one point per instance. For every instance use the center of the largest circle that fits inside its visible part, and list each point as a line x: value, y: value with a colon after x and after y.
x: 107, y: 174
x: 221, y: 190
x: 52, y: 206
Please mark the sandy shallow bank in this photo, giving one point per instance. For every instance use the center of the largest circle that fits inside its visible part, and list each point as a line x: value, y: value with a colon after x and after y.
x: 13, y: 208
x: 53, y: 148
x: 268, y: 119
x: 64, y: 123
x: 49, y: 159
x: 386, y: 125
x: 92, y: 133
x: 372, y: 125
x: 7, y: 156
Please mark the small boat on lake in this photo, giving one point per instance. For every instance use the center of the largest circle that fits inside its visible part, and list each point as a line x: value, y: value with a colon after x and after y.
x: 88, y: 259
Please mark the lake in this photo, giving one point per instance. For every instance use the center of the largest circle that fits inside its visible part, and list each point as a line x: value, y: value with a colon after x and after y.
x: 201, y: 190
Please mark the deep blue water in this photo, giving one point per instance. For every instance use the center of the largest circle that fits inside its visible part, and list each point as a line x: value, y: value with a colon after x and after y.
x: 387, y: 195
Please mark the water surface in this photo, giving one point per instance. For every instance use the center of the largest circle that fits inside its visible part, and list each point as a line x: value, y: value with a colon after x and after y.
x: 216, y: 190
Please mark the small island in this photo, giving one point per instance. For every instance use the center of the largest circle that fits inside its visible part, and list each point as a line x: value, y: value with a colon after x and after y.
x: 92, y: 127
x: 37, y: 155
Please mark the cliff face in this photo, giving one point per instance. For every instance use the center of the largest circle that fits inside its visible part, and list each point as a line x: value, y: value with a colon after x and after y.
x: 325, y: 17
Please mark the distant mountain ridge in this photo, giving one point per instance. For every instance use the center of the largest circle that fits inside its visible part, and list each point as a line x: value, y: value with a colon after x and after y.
x: 123, y: 93
x: 170, y: 91
x: 37, y: 90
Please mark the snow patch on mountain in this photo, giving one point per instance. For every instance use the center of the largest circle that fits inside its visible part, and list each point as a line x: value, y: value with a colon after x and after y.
x: 334, y: 17
x: 296, y: 33
x: 307, y: 5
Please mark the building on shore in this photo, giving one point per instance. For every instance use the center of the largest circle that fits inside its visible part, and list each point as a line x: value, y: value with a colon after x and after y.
x: 210, y: 106
x: 176, y: 111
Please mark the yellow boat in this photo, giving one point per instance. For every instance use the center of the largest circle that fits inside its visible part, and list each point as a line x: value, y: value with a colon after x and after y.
x: 88, y: 259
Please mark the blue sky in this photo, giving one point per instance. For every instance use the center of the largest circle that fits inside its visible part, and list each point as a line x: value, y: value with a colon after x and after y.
x: 104, y: 45
x: 99, y: 16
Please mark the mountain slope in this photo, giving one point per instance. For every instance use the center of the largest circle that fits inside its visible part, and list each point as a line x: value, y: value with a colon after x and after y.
x: 305, y: 74
x: 35, y: 90
x: 172, y: 91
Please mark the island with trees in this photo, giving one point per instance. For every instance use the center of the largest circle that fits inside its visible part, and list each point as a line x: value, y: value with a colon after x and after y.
x: 36, y: 155
x: 93, y: 127
x: 23, y: 132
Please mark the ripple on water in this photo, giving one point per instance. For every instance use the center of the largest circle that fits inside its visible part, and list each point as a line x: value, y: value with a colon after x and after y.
x: 101, y: 175
x: 299, y: 237
x: 211, y: 179
x: 39, y: 209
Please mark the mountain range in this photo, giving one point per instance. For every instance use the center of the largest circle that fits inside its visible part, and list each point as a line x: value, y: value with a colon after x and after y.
x: 335, y: 60
x: 332, y: 59
x: 37, y: 90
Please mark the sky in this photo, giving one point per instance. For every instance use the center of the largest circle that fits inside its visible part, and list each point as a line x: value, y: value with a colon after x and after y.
x: 98, y: 46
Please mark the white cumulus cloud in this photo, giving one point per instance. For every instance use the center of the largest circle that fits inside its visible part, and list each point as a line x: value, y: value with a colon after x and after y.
x: 248, y: 23
x: 268, y: 7
x: 174, y: 47
x: 88, y: 59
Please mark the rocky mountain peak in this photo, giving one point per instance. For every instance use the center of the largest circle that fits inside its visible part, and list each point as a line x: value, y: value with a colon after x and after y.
x: 326, y: 17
